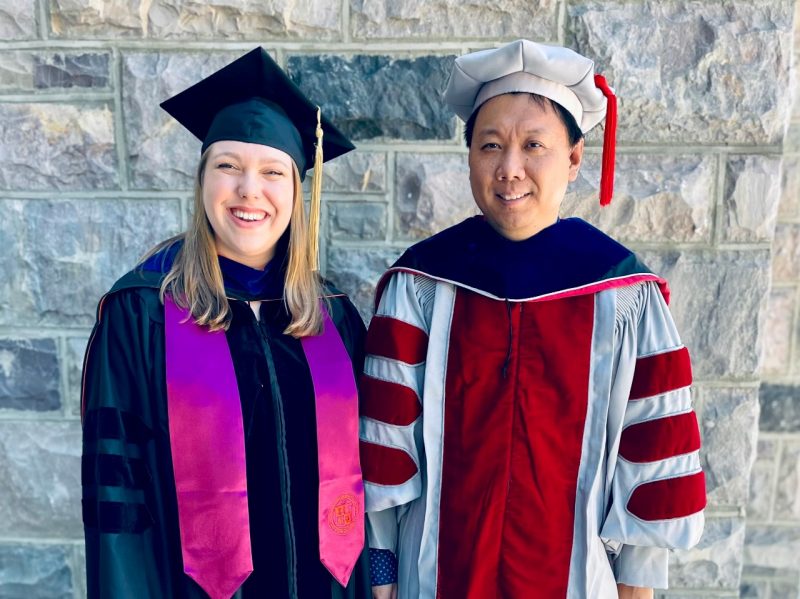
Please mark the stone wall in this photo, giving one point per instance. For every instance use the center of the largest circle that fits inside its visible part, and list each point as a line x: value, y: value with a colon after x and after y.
x: 92, y: 174
x: 772, y: 544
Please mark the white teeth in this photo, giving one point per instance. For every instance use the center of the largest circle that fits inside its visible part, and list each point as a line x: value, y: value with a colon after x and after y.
x: 251, y: 216
x: 510, y: 198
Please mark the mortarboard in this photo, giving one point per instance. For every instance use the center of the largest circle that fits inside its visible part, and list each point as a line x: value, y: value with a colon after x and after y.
x: 557, y: 73
x: 253, y: 100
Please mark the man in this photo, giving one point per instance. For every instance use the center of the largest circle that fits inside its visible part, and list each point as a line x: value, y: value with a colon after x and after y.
x: 527, y: 429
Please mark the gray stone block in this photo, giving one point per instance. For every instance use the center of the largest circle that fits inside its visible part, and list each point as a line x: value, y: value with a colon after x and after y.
x: 730, y: 428
x: 716, y: 561
x: 356, y: 272
x: 759, y: 505
x: 71, y: 70
x: 787, y: 496
x: 432, y: 192
x: 76, y: 348
x: 779, y: 330
x: 771, y: 550
x: 356, y: 172
x: 179, y: 19
x: 357, y: 221
x: 780, y: 408
x: 57, y: 146
x: 29, y: 375
x: 162, y: 154
x: 56, y: 279
x: 367, y: 97
x: 40, y: 466
x: 754, y: 589
x: 35, y: 572
x: 786, y: 589
x: 708, y: 72
x: 17, y: 20
x: 751, y: 195
x: 718, y: 299
x: 790, y: 186
x: 501, y: 19
x: 786, y: 253
x: 662, y: 198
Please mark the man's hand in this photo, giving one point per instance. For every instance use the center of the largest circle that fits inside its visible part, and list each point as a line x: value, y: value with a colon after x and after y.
x: 385, y: 591
x: 625, y: 592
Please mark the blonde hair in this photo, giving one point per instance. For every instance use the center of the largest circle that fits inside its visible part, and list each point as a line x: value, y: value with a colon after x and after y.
x: 195, y: 279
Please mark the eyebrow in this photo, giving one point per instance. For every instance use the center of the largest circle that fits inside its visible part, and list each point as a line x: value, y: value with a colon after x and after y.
x: 532, y: 131
x: 270, y: 160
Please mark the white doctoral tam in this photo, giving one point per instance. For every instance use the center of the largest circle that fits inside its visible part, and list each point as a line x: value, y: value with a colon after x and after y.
x: 554, y: 72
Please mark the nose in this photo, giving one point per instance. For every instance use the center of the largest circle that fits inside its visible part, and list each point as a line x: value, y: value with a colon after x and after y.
x: 511, y: 166
x: 248, y: 185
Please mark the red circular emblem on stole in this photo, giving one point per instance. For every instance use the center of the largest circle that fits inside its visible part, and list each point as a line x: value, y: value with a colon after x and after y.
x: 343, y: 514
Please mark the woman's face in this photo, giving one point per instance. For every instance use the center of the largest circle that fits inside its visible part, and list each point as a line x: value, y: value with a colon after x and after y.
x: 248, y: 194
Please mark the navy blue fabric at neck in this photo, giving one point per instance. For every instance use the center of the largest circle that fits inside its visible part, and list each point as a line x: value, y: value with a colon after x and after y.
x: 241, y: 282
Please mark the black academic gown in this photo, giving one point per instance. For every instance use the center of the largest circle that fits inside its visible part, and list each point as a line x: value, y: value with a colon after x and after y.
x: 130, y: 514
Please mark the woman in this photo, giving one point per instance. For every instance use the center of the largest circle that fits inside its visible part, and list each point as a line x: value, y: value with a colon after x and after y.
x: 220, y: 412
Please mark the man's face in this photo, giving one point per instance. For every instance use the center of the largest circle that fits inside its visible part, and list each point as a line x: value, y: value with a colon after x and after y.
x: 520, y: 162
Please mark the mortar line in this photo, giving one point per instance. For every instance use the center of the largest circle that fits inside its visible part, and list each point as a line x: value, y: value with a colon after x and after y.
x: 391, y: 194
x: 63, y: 374
x: 345, y: 22
x: 561, y: 24
x: 119, y: 121
x: 42, y: 14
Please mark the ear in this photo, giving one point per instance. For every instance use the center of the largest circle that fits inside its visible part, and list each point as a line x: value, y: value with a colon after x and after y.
x: 575, y: 159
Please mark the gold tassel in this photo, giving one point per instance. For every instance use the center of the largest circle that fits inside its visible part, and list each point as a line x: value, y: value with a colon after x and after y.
x: 316, y: 198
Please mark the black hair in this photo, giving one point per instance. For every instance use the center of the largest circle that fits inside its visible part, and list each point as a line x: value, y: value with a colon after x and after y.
x: 574, y: 133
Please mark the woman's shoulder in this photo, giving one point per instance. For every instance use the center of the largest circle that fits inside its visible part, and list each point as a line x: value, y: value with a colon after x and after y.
x: 132, y: 297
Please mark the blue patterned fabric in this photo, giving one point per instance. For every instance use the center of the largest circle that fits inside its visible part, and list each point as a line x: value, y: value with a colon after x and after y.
x: 382, y: 567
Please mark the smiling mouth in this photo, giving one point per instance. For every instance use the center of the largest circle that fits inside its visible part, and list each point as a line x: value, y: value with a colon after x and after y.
x: 249, y: 216
x: 508, y: 197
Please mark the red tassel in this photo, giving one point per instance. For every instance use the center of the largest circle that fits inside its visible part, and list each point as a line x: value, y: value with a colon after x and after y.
x: 609, y: 142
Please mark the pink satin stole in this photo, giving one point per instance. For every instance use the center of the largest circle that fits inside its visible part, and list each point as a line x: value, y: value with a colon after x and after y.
x: 208, y: 454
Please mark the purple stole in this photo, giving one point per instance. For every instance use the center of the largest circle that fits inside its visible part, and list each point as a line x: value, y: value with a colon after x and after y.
x: 208, y: 456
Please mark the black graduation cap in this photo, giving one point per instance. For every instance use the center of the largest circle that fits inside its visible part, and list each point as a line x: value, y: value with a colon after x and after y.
x: 252, y: 100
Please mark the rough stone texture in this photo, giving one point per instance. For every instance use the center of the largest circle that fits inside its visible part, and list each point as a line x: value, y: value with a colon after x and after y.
x: 432, y: 192
x: 58, y: 279
x: 716, y: 561
x: 772, y: 550
x: 787, y: 497
x: 35, y: 572
x: 17, y: 20
x: 730, y: 429
x: 356, y: 271
x: 780, y: 408
x: 356, y: 172
x: 718, y: 299
x: 162, y: 154
x: 29, y: 374
x: 786, y: 253
x: 502, y: 19
x: 79, y: 571
x: 192, y: 19
x: 750, y: 198
x: 687, y: 70
x: 40, y: 469
x: 787, y: 589
x: 778, y: 330
x: 759, y: 505
x: 57, y: 146
x: 790, y: 199
x: 357, y: 220
x: 354, y: 93
x: 25, y: 71
x: 755, y: 589
x: 76, y: 347
x: 656, y: 197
